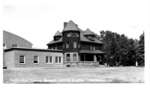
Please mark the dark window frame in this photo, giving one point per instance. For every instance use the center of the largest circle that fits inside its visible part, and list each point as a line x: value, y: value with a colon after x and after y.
x: 36, y: 59
x: 22, y: 59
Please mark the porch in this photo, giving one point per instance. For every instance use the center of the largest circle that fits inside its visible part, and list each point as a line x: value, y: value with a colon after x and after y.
x: 87, y: 56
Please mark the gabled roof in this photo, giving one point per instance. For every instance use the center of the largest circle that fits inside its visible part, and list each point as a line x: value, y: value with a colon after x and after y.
x: 93, y: 52
x: 53, y: 42
x: 84, y: 39
x: 88, y: 32
x: 58, y: 33
x: 71, y: 26
x: 9, y: 39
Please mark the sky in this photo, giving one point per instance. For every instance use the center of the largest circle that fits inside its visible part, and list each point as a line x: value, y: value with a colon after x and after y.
x: 38, y: 20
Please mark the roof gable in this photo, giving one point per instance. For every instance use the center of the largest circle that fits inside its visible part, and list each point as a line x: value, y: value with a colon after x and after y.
x: 88, y: 32
x: 58, y: 33
x: 71, y: 26
x: 85, y: 39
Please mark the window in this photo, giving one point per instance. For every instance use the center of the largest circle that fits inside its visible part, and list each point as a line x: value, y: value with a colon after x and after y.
x: 67, y: 45
x: 46, y: 59
x: 94, y: 48
x: 59, y: 59
x: 22, y: 59
x: 74, y: 44
x: 56, y: 59
x: 69, y: 34
x: 49, y: 59
x: 36, y: 59
x: 72, y: 35
x: 74, y: 55
x: 68, y: 55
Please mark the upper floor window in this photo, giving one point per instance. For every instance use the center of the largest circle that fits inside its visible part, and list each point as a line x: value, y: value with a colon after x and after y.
x: 72, y: 35
x: 67, y: 45
x: 36, y: 59
x: 92, y: 47
x: 21, y: 59
x: 74, y: 44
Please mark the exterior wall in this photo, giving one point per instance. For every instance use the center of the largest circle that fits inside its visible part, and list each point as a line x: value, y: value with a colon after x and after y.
x: 12, y: 59
x: 11, y: 40
x: 71, y: 40
x: 9, y: 59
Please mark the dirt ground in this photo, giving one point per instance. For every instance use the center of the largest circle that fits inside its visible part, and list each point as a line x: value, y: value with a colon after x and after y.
x: 75, y: 75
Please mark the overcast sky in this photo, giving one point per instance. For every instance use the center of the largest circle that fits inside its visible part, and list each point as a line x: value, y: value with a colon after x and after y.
x: 38, y: 20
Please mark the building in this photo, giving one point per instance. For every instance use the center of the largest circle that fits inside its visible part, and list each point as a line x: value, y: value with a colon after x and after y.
x: 12, y: 40
x: 71, y: 47
x: 29, y: 57
x: 18, y: 53
x: 78, y: 46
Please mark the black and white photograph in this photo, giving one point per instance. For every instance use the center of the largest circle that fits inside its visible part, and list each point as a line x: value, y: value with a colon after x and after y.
x: 74, y: 41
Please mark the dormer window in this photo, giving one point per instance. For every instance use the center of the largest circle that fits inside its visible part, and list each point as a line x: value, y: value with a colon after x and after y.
x: 72, y: 35
x: 56, y: 38
x: 90, y: 37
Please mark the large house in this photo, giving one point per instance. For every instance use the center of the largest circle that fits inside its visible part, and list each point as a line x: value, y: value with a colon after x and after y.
x: 71, y: 47
x: 78, y: 46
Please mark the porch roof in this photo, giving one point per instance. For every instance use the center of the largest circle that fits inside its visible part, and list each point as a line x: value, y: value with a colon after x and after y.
x: 91, y: 52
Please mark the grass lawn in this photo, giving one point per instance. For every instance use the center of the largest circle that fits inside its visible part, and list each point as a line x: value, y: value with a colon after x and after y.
x: 75, y: 75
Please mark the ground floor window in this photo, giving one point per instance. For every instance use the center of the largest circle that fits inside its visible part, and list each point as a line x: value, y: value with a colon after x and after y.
x: 48, y: 59
x: 57, y: 59
x: 36, y: 59
x: 74, y: 57
x: 21, y: 59
x: 67, y: 57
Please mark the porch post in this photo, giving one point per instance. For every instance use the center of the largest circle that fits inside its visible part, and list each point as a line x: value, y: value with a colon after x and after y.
x: 95, y: 59
x: 83, y: 57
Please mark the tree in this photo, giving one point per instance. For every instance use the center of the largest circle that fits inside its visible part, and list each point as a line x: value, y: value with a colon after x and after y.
x: 140, y: 51
x: 119, y: 49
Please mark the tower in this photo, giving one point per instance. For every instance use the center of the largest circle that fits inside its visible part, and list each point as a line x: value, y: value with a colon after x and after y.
x: 71, y: 42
